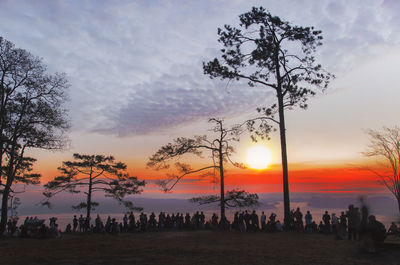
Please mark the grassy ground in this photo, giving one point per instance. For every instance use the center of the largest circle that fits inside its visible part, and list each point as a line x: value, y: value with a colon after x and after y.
x: 199, y: 247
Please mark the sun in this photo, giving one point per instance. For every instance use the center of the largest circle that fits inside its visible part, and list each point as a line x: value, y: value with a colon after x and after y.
x: 258, y: 157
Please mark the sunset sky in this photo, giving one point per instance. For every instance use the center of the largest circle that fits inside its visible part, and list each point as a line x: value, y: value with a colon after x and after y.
x: 135, y: 70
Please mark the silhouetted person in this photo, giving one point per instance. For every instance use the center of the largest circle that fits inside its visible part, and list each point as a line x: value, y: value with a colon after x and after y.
x: 68, y: 229
x: 214, y: 221
x: 242, y: 227
x: 364, y: 219
x: 321, y: 227
x: 353, y: 220
x: 335, y: 224
x: 393, y: 229
x: 263, y: 221
x: 125, y: 220
x: 298, y: 220
x: 255, y: 225
x: 99, y: 226
x: 247, y: 220
x: 75, y: 223
x: 152, y: 221
x: 131, y: 222
x: 108, y: 225
x: 235, y: 223
x: 342, y: 225
x: 271, y: 226
x: 202, y: 219
x: 9, y: 227
x: 53, y: 222
x: 81, y: 223
x: 308, y: 227
x: 143, y: 222
x: 87, y: 224
x: 327, y: 222
x: 376, y: 231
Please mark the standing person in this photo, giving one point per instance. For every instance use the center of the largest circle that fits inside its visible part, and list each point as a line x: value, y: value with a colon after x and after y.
x: 81, y: 223
x: 53, y: 222
x: 327, y: 222
x: 202, y: 220
x: 342, y: 225
x: 125, y: 220
x: 263, y: 220
x: 87, y: 224
x: 247, y: 220
x: 309, y: 228
x: 75, y: 223
x: 335, y: 224
x: 214, y: 221
x: 152, y: 221
x: 255, y: 224
x: 242, y: 227
x: 98, y: 225
x: 298, y: 220
x: 272, y: 222
x: 108, y: 224
x: 364, y: 219
x: 353, y: 222
x: 131, y: 222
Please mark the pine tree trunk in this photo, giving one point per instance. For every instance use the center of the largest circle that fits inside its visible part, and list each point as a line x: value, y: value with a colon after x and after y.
x: 89, y: 199
x: 221, y: 174
x: 398, y: 202
x: 282, y: 131
x: 4, y: 208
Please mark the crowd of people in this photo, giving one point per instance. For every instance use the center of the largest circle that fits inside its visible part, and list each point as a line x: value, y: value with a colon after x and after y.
x: 33, y: 228
x: 352, y: 224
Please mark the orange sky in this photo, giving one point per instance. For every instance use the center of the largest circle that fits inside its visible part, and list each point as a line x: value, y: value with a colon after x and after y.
x: 342, y: 177
x: 302, y: 178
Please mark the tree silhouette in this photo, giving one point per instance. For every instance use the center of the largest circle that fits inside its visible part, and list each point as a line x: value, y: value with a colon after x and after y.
x: 386, y: 145
x: 232, y: 199
x: 220, y: 151
x: 94, y: 173
x: 270, y: 52
x: 23, y: 175
x: 31, y: 116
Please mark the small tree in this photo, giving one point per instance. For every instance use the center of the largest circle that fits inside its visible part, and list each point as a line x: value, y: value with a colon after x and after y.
x: 94, y: 173
x: 220, y: 151
x: 31, y: 116
x: 272, y: 53
x: 386, y: 145
x: 23, y: 176
x: 233, y: 199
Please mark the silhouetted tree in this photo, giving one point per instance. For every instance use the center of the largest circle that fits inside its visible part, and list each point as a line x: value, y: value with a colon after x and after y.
x: 232, y: 199
x: 94, y: 173
x: 386, y: 145
x: 24, y: 176
x: 220, y: 151
x: 270, y: 52
x: 31, y: 116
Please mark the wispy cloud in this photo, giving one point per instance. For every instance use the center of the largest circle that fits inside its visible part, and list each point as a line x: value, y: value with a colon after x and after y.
x: 175, y: 99
x: 135, y: 66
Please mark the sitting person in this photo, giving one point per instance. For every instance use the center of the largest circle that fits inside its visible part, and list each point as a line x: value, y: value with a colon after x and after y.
x: 68, y: 229
x: 376, y: 230
x: 393, y: 229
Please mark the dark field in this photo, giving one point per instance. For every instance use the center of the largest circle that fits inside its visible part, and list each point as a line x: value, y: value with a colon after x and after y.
x: 202, y: 247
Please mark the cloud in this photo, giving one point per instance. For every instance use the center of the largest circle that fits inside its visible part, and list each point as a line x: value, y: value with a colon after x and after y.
x: 120, y: 56
x: 177, y: 99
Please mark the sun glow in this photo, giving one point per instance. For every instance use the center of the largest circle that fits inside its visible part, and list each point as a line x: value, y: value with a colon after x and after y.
x: 258, y: 157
